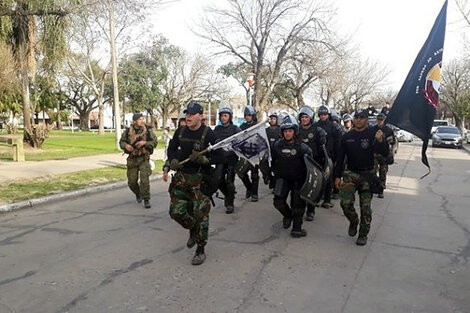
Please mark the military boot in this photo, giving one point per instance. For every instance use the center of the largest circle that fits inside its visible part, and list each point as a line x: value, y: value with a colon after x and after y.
x: 327, y: 205
x: 381, y: 195
x: 298, y: 233
x: 361, y: 240
x: 229, y: 209
x: 352, y: 231
x: 147, y: 204
x: 286, y: 222
x: 192, y: 237
x: 138, y: 198
x: 254, y: 198
x: 310, y: 216
x: 248, y: 194
x: 199, y: 257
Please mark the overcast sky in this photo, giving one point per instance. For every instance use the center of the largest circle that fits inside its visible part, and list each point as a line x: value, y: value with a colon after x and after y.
x: 390, y: 32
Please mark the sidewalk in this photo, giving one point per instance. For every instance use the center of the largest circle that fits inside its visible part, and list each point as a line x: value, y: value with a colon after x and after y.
x: 10, y: 171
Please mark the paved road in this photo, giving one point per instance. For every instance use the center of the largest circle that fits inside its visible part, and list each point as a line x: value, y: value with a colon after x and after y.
x: 105, y: 253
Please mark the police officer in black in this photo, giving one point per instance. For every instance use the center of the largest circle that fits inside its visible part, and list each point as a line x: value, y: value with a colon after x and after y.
x: 381, y: 162
x: 315, y: 138
x: 347, y: 123
x: 273, y: 131
x: 251, y: 185
x: 333, y: 140
x: 290, y: 171
x: 225, y: 170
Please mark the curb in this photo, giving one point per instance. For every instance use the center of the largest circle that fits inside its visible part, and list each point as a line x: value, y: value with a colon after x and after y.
x: 464, y: 146
x: 62, y: 196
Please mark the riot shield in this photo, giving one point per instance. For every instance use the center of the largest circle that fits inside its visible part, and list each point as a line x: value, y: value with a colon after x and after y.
x: 312, y: 188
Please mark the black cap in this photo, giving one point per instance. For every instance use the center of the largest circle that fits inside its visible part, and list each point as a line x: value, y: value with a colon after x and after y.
x: 361, y: 113
x: 193, y: 108
x: 381, y: 116
x: 136, y: 116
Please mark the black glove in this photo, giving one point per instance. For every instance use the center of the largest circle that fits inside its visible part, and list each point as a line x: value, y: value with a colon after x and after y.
x: 175, y: 165
x: 198, y: 158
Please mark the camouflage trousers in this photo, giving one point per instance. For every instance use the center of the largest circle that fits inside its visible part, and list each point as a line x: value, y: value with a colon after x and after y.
x: 381, y: 166
x: 353, y: 182
x: 188, y: 205
x: 139, y: 166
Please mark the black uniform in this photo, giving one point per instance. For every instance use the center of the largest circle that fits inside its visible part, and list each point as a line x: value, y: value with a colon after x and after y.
x: 290, y: 172
x: 273, y: 133
x: 251, y: 185
x: 315, y: 138
x: 225, y: 170
x: 333, y: 141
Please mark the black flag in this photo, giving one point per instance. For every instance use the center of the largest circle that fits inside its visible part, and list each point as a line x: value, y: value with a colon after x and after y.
x: 415, y: 107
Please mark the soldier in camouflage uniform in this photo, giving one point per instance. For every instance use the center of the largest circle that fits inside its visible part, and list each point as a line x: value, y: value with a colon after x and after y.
x: 139, y: 141
x: 358, y: 147
x: 381, y: 162
x: 189, y: 205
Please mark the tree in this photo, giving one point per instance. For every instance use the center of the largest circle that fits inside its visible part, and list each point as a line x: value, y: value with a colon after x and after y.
x: 455, y: 89
x: 238, y: 72
x: 35, y: 30
x: 261, y: 34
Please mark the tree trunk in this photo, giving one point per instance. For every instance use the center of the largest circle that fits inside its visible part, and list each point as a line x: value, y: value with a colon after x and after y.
x: 100, y: 115
x: 26, y: 102
x: 117, y: 114
x: 84, y: 116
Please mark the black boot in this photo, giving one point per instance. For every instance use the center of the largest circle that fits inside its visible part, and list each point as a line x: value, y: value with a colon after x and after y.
x: 199, y: 257
x: 192, y: 237
x: 248, y: 194
x: 286, y: 222
x: 229, y: 209
x: 147, y: 204
x: 361, y: 240
x: 298, y: 233
x: 254, y: 198
x: 381, y: 195
x: 352, y: 231
x: 139, y: 199
x: 310, y: 216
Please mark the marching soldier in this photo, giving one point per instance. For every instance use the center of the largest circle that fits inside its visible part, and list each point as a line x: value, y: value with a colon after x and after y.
x: 243, y: 166
x: 273, y: 131
x: 139, y: 141
x: 333, y: 140
x: 315, y: 138
x: 225, y: 171
x: 189, y: 205
x: 381, y: 162
x: 290, y: 171
x: 358, y: 147
x: 347, y: 123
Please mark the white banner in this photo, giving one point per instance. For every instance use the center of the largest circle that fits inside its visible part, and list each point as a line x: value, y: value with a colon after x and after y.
x: 251, y: 144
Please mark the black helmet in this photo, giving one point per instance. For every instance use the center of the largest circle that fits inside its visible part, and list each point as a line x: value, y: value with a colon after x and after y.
x: 289, y: 122
x: 226, y: 110
x: 323, y: 109
x: 335, y: 117
x: 347, y: 118
x: 249, y: 110
x: 274, y: 114
x: 381, y: 116
x: 307, y: 111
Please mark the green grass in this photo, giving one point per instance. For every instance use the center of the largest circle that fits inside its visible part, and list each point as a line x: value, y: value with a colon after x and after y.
x: 39, y: 187
x: 65, y: 144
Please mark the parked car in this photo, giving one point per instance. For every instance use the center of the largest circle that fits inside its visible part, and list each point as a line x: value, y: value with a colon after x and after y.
x: 438, y: 123
x: 403, y: 135
x: 447, y: 136
x: 468, y: 137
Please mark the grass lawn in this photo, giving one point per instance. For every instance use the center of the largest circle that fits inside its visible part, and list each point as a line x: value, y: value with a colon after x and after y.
x: 65, y: 144
x: 38, y: 187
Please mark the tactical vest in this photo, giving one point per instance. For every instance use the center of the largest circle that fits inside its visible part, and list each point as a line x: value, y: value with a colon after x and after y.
x: 289, y: 161
x: 194, y: 141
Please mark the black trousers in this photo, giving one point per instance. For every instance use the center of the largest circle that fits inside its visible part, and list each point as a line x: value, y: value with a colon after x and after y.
x: 296, y: 209
x: 253, y: 183
x: 226, y: 181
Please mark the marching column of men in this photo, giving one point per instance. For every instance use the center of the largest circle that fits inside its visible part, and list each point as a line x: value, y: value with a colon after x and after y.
x: 357, y: 150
